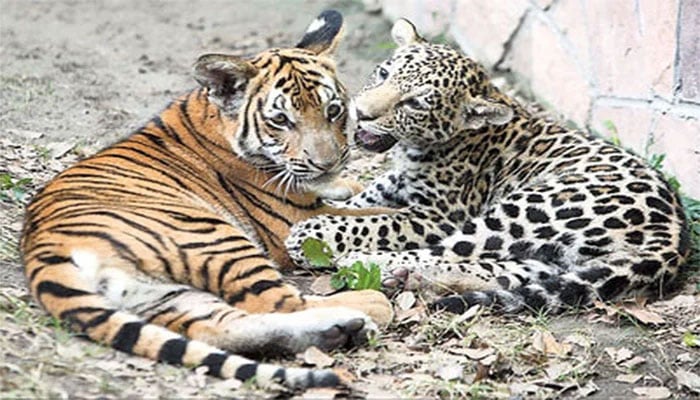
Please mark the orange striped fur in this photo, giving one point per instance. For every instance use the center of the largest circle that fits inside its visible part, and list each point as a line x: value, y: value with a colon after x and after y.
x: 167, y: 244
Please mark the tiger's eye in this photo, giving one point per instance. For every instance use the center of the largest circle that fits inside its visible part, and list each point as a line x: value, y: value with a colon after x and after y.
x: 333, y: 111
x: 280, y: 119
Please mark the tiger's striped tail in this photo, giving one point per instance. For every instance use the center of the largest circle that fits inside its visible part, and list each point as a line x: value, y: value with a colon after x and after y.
x: 57, y: 285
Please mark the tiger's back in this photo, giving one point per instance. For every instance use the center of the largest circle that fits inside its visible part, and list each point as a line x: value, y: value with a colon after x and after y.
x: 167, y: 244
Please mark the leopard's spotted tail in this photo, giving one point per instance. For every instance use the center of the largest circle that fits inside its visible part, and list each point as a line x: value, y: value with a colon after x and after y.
x: 56, y: 283
x: 557, y: 290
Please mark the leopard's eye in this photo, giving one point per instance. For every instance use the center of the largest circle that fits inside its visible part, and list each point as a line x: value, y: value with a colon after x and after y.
x: 382, y: 73
x: 414, y: 103
x: 280, y: 121
x: 334, y: 111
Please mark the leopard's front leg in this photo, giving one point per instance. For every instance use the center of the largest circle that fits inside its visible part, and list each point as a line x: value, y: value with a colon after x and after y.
x: 395, y: 230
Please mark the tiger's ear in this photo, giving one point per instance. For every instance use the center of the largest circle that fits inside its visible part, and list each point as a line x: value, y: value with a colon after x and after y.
x: 323, y: 34
x: 224, y: 75
x: 479, y: 112
x: 404, y: 33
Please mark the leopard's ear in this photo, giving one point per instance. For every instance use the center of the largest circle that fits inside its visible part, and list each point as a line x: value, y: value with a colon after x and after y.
x: 478, y: 112
x: 405, y: 33
x: 224, y: 75
x: 323, y: 34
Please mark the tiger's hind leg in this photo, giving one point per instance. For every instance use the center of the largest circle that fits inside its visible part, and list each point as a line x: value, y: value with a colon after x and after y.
x: 75, y: 289
x: 202, y: 316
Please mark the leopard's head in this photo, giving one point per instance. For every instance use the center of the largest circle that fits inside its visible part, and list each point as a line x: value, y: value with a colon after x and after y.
x: 424, y: 95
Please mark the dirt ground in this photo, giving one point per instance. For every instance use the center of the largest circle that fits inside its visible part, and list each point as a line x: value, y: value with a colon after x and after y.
x: 77, y: 75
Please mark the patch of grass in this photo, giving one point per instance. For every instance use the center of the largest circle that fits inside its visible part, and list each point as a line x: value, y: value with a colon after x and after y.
x: 691, y: 206
x: 14, y: 189
x: 357, y: 276
x: 613, y: 136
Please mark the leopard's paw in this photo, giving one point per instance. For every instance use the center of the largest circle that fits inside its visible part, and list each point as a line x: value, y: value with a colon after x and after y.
x: 339, y: 189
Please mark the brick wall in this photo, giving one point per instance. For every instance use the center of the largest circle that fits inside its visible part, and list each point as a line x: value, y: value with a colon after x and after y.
x: 630, y: 66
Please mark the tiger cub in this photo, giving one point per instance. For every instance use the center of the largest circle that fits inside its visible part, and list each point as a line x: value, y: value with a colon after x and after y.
x: 167, y: 244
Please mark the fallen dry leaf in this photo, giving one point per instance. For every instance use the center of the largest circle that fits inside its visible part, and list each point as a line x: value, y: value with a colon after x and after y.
x: 320, y: 393
x: 488, y: 361
x: 685, y: 358
x: 619, y: 355
x: 642, y: 314
x: 588, y: 389
x: 414, y: 314
x: 322, y: 286
x: 474, y: 354
x: 634, y: 362
x: 688, y: 379
x: 314, y: 356
x: 628, y: 378
x: 405, y: 300
x: 523, y: 388
x: 450, y: 372
x: 556, y: 370
x: 544, y: 342
x: 467, y: 315
x: 652, y: 392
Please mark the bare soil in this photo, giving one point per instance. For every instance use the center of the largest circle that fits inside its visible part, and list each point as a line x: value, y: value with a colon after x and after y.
x: 77, y: 75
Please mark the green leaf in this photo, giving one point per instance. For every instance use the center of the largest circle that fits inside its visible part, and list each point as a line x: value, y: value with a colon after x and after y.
x: 691, y: 340
x: 337, y: 282
x: 358, y: 277
x: 317, y: 252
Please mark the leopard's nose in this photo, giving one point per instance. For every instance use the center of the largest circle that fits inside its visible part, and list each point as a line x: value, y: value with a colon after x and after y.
x: 361, y: 116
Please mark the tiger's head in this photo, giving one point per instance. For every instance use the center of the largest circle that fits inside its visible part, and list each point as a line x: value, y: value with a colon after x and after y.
x: 289, y: 106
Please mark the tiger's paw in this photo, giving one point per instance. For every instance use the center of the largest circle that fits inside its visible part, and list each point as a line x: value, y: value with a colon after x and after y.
x: 330, y: 328
x: 371, y: 302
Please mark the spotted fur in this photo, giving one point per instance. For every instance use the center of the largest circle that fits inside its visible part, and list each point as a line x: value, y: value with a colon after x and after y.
x: 495, y: 203
x: 167, y: 244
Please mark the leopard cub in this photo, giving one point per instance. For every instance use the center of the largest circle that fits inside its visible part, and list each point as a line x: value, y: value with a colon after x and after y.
x: 494, y: 203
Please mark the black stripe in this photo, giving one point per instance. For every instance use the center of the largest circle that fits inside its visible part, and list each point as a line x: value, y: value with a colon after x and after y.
x: 70, y: 316
x: 127, y: 336
x: 229, y: 250
x: 214, y: 361
x: 185, y: 325
x: 98, y: 320
x: 123, y: 250
x: 197, y: 245
x: 246, y: 371
x: 256, y: 289
x: 172, y: 351
x: 255, y: 270
x: 226, y: 267
x: 58, y: 290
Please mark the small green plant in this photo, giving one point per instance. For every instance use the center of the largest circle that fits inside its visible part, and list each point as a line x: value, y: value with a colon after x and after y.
x: 691, y: 340
x: 614, y: 135
x: 317, y: 253
x: 13, y: 189
x: 43, y: 152
x: 358, y: 276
